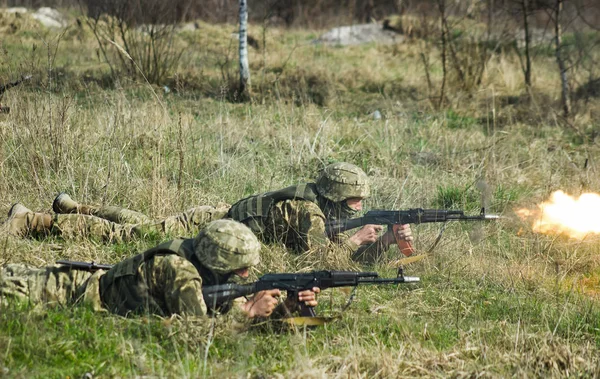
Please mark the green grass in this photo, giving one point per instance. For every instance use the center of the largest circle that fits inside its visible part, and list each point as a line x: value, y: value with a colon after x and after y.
x: 438, y: 317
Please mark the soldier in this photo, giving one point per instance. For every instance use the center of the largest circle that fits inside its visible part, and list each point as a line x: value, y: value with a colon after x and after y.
x: 294, y: 216
x: 165, y: 280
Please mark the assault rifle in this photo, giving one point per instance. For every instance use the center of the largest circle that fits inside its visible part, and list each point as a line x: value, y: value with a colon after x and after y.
x: 91, y: 266
x: 217, y: 295
x: 409, y: 216
x: 294, y: 283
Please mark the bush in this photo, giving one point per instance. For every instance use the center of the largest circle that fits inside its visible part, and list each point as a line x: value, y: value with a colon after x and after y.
x: 137, y: 36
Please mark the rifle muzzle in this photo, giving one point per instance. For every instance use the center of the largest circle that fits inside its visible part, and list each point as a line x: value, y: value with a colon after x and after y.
x: 411, y: 279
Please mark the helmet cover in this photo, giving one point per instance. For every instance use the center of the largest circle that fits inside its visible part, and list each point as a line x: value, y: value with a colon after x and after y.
x: 225, y: 246
x: 342, y: 181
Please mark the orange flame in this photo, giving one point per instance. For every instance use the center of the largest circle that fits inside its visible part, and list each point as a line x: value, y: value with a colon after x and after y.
x: 564, y: 214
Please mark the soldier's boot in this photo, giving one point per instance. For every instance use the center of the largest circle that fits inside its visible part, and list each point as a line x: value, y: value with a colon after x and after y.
x: 23, y: 221
x: 64, y: 204
x: 16, y: 209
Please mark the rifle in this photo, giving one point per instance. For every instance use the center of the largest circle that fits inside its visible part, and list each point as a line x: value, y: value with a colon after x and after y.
x: 217, y: 296
x: 92, y: 266
x: 294, y: 283
x: 409, y: 216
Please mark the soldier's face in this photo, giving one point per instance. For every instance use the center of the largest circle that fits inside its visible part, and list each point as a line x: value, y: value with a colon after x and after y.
x: 355, y: 203
x: 242, y: 272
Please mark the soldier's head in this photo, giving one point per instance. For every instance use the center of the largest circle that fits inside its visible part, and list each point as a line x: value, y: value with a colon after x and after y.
x: 345, y: 185
x: 226, y: 247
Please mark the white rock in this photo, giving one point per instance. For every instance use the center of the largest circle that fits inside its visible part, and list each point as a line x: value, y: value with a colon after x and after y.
x: 188, y: 27
x: 359, y: 34
x: 50, y: 17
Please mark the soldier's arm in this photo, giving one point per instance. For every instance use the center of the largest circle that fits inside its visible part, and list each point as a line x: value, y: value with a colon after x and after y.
x: 371, y: 253
x: 312, y: 224
x: 180, y: 284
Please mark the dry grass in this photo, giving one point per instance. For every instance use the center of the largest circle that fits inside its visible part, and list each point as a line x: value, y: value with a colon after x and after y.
x: 495, y: 300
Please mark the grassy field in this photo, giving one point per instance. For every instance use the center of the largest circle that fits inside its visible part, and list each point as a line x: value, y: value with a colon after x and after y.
x: 494, y: 300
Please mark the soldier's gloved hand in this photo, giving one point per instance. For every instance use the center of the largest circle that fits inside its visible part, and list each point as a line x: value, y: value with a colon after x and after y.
x: 309, y: 297
x: 262, y: 304
x: 367, y: 234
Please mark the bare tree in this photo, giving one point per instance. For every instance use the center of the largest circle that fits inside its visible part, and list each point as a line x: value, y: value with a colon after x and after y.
x: 444, y: 41
x: 525, y: 9
x: 143, y: 29
x: 566, y: 104
x: 244, y: 68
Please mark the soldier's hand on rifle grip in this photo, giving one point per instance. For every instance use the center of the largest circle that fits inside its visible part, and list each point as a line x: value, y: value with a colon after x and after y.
x: 367, y: 234
x: 262, y: 304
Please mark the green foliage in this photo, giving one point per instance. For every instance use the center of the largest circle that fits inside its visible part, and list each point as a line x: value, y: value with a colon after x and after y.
x: 451, y: 197
x: 504, y: 197
x: 455, y: 121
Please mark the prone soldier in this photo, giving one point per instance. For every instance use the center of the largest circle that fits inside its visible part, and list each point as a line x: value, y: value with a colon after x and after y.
x: 165, y: 280
x: 295, y: 216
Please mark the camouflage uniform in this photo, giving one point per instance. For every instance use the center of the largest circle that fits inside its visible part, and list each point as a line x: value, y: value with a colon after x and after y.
x: 290, y: 216
x: 188, y: 222
x: 165, y: 280
x: 296, y: 216
x: 53, y: 285
x: 24, y: 222
x: 108, y: 223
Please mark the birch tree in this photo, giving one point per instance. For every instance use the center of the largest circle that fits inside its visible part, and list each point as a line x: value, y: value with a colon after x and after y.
x: 244, y: 68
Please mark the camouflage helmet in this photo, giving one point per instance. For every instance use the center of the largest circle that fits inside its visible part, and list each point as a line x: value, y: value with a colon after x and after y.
x: 226, y: 245
x: 341, y: 181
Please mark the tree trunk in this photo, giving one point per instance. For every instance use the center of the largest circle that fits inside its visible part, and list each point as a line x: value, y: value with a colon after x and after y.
x: 527, y: 68
x: 442, y: 9
x: 561, y: 63
x: 244, y: 68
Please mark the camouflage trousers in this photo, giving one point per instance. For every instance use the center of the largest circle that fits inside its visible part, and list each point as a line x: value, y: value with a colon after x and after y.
x: 111, y: 222
x: 52, y: 285
x: 114, y: 224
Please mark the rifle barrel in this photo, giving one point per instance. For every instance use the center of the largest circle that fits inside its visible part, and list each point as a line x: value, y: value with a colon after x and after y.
x: 401, y: 279
x: 92, y: 266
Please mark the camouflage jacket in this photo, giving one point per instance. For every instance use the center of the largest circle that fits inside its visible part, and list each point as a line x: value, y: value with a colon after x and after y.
x: 162, y: 281
x: 292, y: 216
